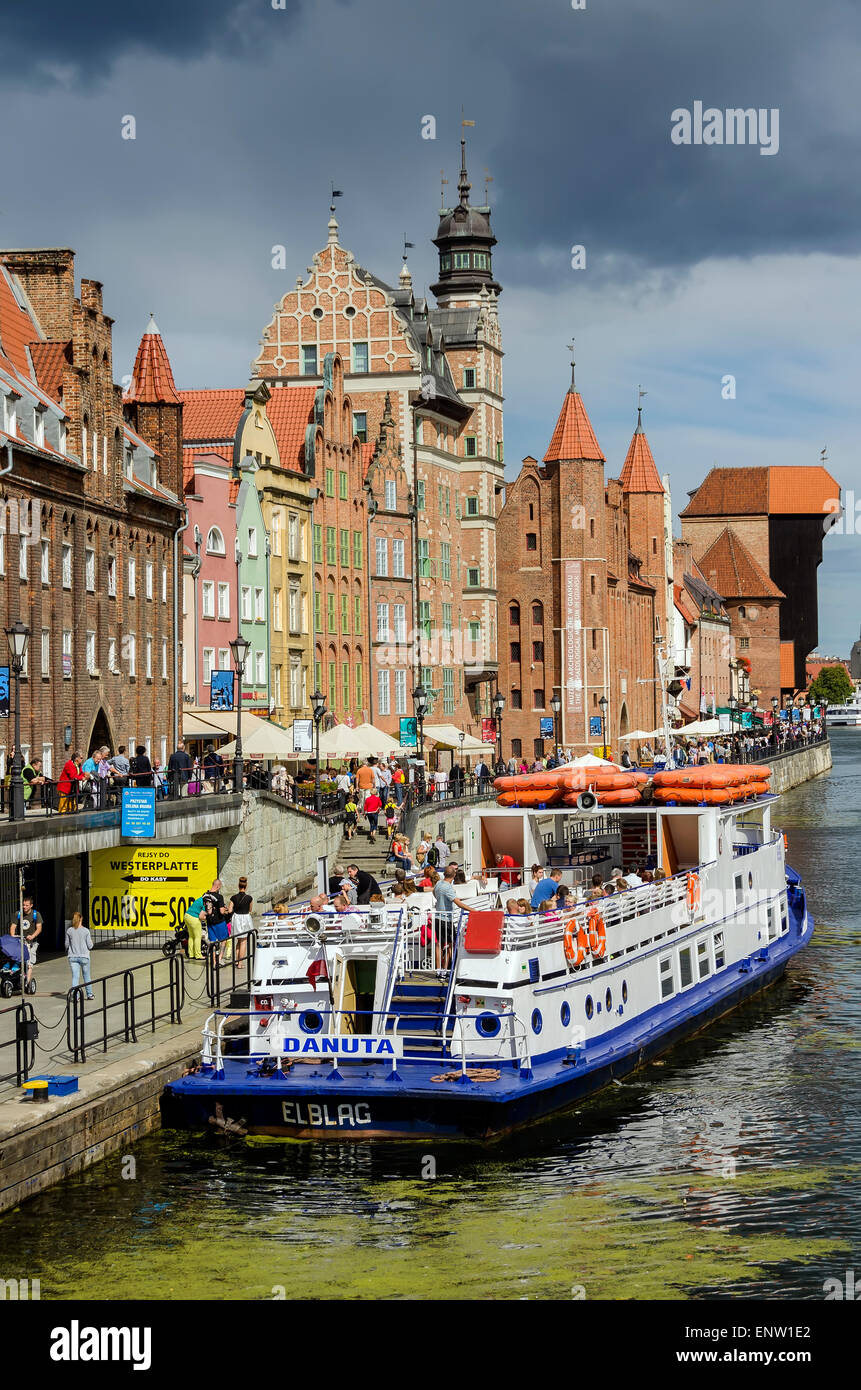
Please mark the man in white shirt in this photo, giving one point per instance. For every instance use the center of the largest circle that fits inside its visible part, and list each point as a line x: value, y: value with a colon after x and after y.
x: 440, y: 778
x: 343, y: 786
x: 443, y: 852
x: 632, y: 877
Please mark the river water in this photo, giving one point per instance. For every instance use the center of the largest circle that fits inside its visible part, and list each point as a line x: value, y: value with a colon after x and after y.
x: 727, y: 1171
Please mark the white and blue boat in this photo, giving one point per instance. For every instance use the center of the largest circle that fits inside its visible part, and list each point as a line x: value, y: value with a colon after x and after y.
x: 394, y: 1022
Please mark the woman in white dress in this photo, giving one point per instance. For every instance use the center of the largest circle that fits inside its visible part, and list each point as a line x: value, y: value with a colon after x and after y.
x: 240, y: 917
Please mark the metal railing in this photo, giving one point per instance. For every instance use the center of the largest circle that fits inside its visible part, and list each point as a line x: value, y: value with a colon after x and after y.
x: 24, y: 1043
x: 231, y: 974
x: 214, y: 1039
x: 139, y: 1004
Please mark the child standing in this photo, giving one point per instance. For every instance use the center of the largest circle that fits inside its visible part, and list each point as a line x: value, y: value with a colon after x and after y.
x: 351, y: 816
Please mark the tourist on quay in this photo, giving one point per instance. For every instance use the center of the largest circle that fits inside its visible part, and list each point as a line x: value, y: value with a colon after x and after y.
x: 33, y: 924
x: 120, y: 766
x: 440, y: 781
x: 194, y: 919
x: 34, y: 781
x: 457, y: 780
x: 213, y: 767
x: 241, y: 921
x: 625, y: 760
x: 215, y: 913
x: 69, y: 782
x: 159, y: 779
x: 372, y: 807
x: 179, y: 768
x: 343, y: 786
x: 351, y: 817
x: 399, y: 783
x: 482, y: 774
x: 366, y: 779
x: 79, y: 943
x: 140, y: 768
x: 390, y: 811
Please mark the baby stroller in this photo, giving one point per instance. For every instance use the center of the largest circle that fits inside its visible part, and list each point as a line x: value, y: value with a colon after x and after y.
x: 10, y: 966
x: 179, y: 942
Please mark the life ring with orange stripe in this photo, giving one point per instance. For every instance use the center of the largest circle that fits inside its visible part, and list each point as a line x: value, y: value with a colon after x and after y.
x: 692, y: 893
x: 575, y: 943
x: 597, y: 934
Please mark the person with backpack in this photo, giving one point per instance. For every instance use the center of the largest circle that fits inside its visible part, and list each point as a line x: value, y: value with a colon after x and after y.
x: 351, y: 816
x: 373, y: 806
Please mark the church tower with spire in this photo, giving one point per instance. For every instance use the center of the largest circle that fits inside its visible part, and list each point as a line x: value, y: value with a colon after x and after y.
x: 152, y: 406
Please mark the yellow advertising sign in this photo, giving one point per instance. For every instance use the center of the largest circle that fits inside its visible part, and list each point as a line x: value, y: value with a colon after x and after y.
x: 147, y: 889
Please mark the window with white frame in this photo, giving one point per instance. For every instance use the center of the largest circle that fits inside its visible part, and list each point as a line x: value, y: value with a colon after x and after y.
x: 383, y: 692
x: 208, y: 664
x: 360, y: 357
x: 148, y: 746
x: 383, y: 622
x: 246, y: 603
x: 90, y: 570
x: 48, y: 759
x: 23, y: 551
x: 381, y: 550
x: 400, y: 692
x: 390, y: 488
x: 293, y: 537
x: 148, y: 580
x: 260, y: 668
x: 399, y: 615
x: 448, y: 690
x: 252, y: 542
x: 132, y: 653
x: 91, y: 652
x: 132, y: 578
x: 223, y: 599
x: 259, y: 606
x: 276, y: 533
x: 295, y: 601
x: 209, y: 598
x: 295, y: 683
x: 703, y: 962
x: 112, y: 576
x: 276, y: 609
x: 162, y: 743
x: 686, y: 972
x: 148, y: 652
x: 276, y: 685
x: 46, y: 651
x: 398, y: 558
x: 164, y: 583
x: 45, y: 562
x: 223, y: 659
x: 84, y: 445
x: 665, y: 971
x: 215, y: 542
x: 164, y: 658
x: 112, y: 653
x: 67, y: 654
x: 2, y: 553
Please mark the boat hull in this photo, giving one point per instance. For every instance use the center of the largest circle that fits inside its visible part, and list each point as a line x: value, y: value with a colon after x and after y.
x: 372, y: 1104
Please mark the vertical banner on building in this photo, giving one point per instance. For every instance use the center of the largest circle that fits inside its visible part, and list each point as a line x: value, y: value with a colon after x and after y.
x: 572, y: 627
x: 221, y: 690
x: 488, y: 730
x: 4, y: 692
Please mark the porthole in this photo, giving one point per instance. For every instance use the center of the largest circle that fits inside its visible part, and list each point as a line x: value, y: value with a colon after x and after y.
x: 537, y: 1021
x: 750, y: 880
x: 310, y: 1021
x: 624, y: 991
x: 609, y: 1000
x: 590, y: 1007
x: 487, y: 1025
x: 565, y: 1013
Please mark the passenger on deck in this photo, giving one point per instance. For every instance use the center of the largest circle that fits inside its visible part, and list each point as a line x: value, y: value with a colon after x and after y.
x: 597, y: 887
x: 563, y: 894
x: 536, y: 874
x: 610, y: 889
x: 508, y: 874
x: 365, y: 883
x: 658, y: 876
x: 632, y: 877
x: 546, y: 888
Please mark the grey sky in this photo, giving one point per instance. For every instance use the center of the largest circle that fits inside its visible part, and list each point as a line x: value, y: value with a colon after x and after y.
x: 701, y: 261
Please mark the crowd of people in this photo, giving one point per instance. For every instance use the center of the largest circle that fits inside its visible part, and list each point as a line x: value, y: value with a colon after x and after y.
x: 95, y: 782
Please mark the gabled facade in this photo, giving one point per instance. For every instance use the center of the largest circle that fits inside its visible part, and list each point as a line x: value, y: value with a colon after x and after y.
x: 89, y: 552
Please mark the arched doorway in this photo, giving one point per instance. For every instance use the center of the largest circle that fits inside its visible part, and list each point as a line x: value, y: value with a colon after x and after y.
x: 623, y: 719
x: 101, y: 733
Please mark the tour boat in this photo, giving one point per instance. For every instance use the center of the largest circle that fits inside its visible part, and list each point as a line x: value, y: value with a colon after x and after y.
x: 846, y: 714
x: 398, y: 1023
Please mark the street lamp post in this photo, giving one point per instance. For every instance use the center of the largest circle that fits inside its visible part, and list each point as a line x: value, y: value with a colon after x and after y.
x: 603, y: 703
x: 420, y: 705
x: 239, y: 651
x: 17, y: 636
x: 318, y: 707
x: 733, y: 706
x: 498, y: 707
x: 775, y: 722
x: 556, y: 706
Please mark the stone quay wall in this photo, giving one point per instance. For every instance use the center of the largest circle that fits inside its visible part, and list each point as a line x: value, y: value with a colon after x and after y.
x: 794, y: 768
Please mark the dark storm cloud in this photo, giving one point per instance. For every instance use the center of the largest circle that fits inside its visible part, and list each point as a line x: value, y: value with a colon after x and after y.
x: 587, y: 156
x: 83, y: 41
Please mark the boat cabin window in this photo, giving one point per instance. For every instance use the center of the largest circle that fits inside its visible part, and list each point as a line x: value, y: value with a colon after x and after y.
x: 739, y: 889
x: 773, y: 928
x: 703, y: 966
x: 719, y: 950
x: 686, y: 973
x: 784, y: 920
x: 666, y: 972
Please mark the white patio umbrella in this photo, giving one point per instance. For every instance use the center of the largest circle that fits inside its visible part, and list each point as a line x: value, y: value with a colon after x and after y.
x: 364, y: 741
x: 449, y: 737
x: 700, y: 728
x: 589, y: 760
x: 638, y: 734
x: 268, y: 741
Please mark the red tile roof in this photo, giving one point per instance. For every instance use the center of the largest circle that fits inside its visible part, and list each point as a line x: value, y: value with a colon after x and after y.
x: 152, y: 378
x: 573, y: 437
x: 684, y: 604
x: 17, y: 329
x: 777, y: 491
x: 223, y: 452
x: 50, y: 360
x: 211, y: 416
x: 290, y: 411
x: 639, y: 473
x: 736, y: 573
x: 787, y: 665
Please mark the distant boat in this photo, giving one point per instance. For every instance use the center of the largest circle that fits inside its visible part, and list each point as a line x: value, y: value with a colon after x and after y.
x: 848, y: 714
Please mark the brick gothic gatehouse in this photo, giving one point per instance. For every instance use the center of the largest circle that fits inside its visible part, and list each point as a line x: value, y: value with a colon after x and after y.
x: 91, y: 507
x: 582, y: 590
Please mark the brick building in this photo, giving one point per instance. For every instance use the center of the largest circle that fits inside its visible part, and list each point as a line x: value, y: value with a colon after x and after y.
x: 758, y: 662
x: 91, y: 512
x: 578, y: 615
x: 702, y: 641
x: 773, y: 520
x: 424, y: 386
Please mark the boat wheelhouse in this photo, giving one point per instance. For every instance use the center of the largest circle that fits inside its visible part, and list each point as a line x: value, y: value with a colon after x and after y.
x: 403, y: 1022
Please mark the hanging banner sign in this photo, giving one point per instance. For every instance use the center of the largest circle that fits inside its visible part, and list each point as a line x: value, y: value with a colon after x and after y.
x: 409, y: 732
x: 545, y: 728
x: 488, y: 730
x: 221, y: 690
x: 138, y: 813
x: 302, y: 742
x: 572, y: 631
x: 4, y: 692
x: 148, y: 889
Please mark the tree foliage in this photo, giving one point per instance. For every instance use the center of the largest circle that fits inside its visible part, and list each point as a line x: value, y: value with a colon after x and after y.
x: 832, y: 684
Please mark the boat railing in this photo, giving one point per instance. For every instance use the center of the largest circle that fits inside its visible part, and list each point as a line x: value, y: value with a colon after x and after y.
x: 376, y: 922
x: 453, y: 1026
x: 538, y: 929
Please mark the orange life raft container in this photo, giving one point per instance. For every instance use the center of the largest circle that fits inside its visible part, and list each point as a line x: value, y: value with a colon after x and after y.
x: 531, y: 796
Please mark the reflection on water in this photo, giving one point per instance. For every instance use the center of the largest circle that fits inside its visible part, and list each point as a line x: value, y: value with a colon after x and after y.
x: 728, y: 1170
